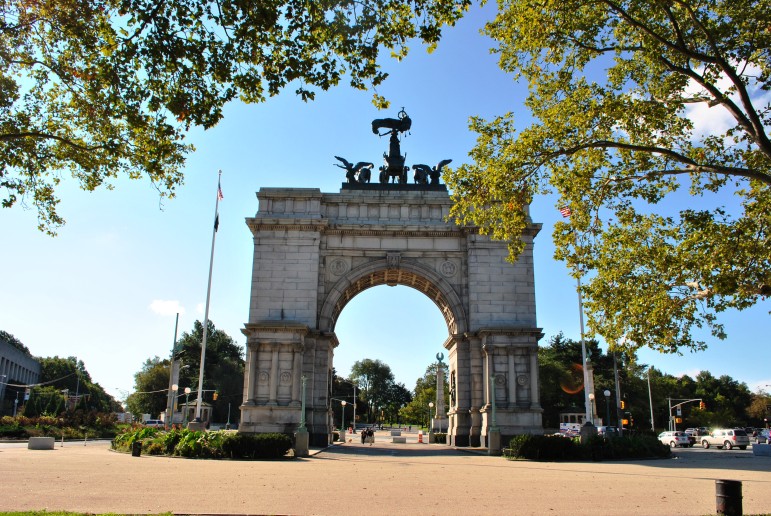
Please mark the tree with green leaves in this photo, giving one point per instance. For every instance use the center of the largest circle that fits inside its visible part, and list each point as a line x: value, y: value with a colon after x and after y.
x: 101, y: 89
x: 651, y: 125
x: 223, y: 369
x: 374, y: 379
x: 223, y: 374
x: 151, y: 386
x: 417, y: 410
x: 70, y: 375
x: 727, y: 402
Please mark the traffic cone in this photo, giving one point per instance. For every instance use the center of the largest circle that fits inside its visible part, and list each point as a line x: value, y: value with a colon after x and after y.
x: 420, y: 437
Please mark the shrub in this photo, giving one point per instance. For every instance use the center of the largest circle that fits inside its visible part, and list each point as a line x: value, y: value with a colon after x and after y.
x: 544, y: 447
x: 205, y: 445
x: 440, y: 438
x: 556, y: 448
x: 256, y: 446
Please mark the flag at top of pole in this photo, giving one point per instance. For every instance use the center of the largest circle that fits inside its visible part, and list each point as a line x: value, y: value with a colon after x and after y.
x: 216, y: 205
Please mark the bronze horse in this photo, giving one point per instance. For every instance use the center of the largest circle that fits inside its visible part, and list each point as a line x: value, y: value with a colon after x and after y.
x: 401, y: 124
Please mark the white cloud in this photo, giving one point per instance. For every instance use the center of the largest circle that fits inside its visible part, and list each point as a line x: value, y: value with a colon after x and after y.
x: 166, y: 307
x: 712, y: 121
x: 199, y: 308
x: 693, y: 373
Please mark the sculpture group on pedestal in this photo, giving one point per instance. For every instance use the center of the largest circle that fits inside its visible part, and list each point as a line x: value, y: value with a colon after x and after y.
x: 393, y: 169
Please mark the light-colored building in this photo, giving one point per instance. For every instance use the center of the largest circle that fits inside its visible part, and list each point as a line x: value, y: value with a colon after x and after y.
x: 17, y: 370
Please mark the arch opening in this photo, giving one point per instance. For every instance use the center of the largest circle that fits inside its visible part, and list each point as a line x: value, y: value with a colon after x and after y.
x: 392, y: 278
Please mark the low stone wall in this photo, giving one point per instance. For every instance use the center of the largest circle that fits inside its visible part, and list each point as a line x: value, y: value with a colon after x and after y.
x: 41, y: 443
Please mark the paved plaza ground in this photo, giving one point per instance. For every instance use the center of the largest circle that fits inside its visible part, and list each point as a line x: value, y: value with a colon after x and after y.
x: 384, y: 478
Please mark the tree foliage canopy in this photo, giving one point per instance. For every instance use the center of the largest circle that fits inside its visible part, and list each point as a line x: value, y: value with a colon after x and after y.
x: 59, y: 373
x: 728, y: 402
x: 375, y: 380
x: 417, y: 411
x: 636, y: 103
x: 223, y: 373
x: 107, y: 88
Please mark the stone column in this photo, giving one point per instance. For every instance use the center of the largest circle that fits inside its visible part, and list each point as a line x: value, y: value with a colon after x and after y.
x: 534, y: 398
x: 296, y: 373
x: 477, y: 391
x: 512, y: 380
x: 273, y: 393
x: 251, y: 376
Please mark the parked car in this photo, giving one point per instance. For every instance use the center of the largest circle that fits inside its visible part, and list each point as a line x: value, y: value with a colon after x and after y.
x: 763, y: 436
x: 694, y: 434
x: 675, y: 439
x: 727, y: 438
x: 607, y: 431
x: 155, y: 423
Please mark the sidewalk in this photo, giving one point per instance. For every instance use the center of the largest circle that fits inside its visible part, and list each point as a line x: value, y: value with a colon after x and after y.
x: 384, y: 478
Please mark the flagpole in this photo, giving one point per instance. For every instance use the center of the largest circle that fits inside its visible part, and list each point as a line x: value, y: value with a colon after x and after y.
x: 588, y: 403
x: 208, y: 296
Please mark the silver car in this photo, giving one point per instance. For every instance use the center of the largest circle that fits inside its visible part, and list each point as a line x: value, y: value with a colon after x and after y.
x: 675, y: 439
x: 727, y: 438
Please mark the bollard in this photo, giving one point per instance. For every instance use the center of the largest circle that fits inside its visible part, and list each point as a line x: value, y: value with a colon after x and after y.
x: 728, y: 497
x: 136, y: 448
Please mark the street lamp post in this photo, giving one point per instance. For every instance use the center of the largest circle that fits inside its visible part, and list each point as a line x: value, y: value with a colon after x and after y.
x: 342, y: 421
x: 430, y: 406
x: 174, y: 389
x: 187, y: 399
x: 353, y: 424
x: 606, y: 392
x: 591, y: 406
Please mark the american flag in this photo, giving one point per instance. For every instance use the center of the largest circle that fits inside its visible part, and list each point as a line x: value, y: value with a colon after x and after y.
x: 219, y: 192
x: 565, y: 210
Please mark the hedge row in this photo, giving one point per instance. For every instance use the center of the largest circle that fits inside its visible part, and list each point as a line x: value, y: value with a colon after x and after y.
x: 205, y: 445
x: 72, y: 425
x: 558, y: 448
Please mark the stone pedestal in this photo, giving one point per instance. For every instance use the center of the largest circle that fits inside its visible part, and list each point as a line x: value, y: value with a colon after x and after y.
x: 41, y: 443
x: 440, y: 424
x: 301, y: 443
x: 196, y: 426
x: 494, y: 443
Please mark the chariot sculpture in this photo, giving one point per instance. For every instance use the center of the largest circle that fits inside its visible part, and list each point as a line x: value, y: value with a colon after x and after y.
x: 393, y: 169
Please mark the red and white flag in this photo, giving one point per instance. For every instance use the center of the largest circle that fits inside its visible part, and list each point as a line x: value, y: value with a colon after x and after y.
x: 565, y: 210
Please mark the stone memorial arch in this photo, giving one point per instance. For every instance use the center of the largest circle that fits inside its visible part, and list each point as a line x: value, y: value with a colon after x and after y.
x: 314, y: 252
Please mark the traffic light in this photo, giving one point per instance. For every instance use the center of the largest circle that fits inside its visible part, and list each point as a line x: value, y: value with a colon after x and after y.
x: 624, y: 422
x: 623, y: 404
x: 702, y: 405
x: 216, y: 394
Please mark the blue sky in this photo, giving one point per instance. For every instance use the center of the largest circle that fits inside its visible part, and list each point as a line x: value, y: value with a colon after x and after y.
x: 107, y: 288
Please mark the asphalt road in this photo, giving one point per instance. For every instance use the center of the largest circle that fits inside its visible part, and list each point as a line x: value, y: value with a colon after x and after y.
x: 384, y: 478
